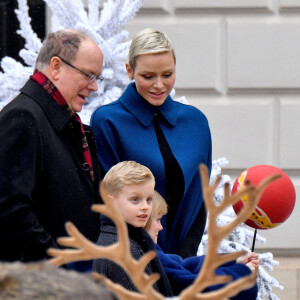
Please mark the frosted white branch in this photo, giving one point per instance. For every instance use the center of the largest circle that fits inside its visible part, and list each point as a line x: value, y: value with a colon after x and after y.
x: 241, y: 238
x: 93, y: 12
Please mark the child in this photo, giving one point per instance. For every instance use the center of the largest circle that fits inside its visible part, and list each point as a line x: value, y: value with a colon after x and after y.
x: 182, y: 272
x: 132, y: 186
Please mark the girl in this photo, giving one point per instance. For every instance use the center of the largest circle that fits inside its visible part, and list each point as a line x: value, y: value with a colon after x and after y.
x: 182, y: 272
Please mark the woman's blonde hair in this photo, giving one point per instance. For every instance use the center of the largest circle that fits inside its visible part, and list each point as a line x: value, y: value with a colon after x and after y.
x: 159, y: 207
x: 126, y: 173
x: 149, y: 41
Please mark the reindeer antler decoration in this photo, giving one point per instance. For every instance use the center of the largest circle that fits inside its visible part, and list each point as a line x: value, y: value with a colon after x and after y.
x: 120, y: 252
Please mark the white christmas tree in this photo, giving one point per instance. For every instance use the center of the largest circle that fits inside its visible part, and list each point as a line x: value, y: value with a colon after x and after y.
x: 241, y: 237
x: 106, y: 27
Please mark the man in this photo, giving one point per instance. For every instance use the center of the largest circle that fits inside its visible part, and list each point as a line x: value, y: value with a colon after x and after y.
x: 49, y: 171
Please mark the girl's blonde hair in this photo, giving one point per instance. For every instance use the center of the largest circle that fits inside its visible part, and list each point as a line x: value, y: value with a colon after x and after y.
x: 159, y: 207
x: 126, y: 173
x: 149, y: 41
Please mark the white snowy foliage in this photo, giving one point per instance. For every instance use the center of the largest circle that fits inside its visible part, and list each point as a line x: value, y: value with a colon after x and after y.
x: 241, y: 237
x: 93, y: 12
x: 14, y: 76
x: 32, y: 42
x: 264, y: 280
x: 14, y: 73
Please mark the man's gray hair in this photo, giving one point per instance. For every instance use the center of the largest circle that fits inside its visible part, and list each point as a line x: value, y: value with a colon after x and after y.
x: 64, y: 43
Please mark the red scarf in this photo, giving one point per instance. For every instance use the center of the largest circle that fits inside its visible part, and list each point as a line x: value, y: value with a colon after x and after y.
x: 51, y: 89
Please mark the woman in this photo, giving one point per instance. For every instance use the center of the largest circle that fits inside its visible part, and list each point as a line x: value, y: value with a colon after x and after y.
x: 168, y: 137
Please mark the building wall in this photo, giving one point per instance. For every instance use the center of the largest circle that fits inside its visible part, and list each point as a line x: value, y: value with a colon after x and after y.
x: 239, y: 62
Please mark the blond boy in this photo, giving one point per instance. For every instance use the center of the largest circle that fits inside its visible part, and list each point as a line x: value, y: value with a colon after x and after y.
x: 131, y: 186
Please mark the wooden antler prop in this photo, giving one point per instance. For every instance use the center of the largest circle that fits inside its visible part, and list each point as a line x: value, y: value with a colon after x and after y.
x: 118, y: 252
x: 216, y: 233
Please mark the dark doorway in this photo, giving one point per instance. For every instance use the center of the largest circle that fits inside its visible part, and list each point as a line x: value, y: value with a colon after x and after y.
x: 10, y: 42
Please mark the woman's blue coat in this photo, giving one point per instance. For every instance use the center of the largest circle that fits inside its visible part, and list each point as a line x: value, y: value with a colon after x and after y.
x: 124, y: 130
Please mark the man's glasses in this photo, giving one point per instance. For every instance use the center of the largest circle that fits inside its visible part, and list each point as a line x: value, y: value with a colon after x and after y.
x: 89, y: 77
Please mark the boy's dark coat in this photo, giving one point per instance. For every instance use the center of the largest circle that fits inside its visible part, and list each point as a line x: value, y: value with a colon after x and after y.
x: 140, y: 243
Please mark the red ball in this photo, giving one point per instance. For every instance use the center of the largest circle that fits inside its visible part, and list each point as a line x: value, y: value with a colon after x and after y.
x: 277, y: 201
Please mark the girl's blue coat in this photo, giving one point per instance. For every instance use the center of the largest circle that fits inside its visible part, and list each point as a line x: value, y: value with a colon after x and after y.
x: 182, y: 273
x: 124, y: 130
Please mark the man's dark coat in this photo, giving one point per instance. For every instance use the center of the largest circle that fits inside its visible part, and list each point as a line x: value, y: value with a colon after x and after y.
x: 43, y: 181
